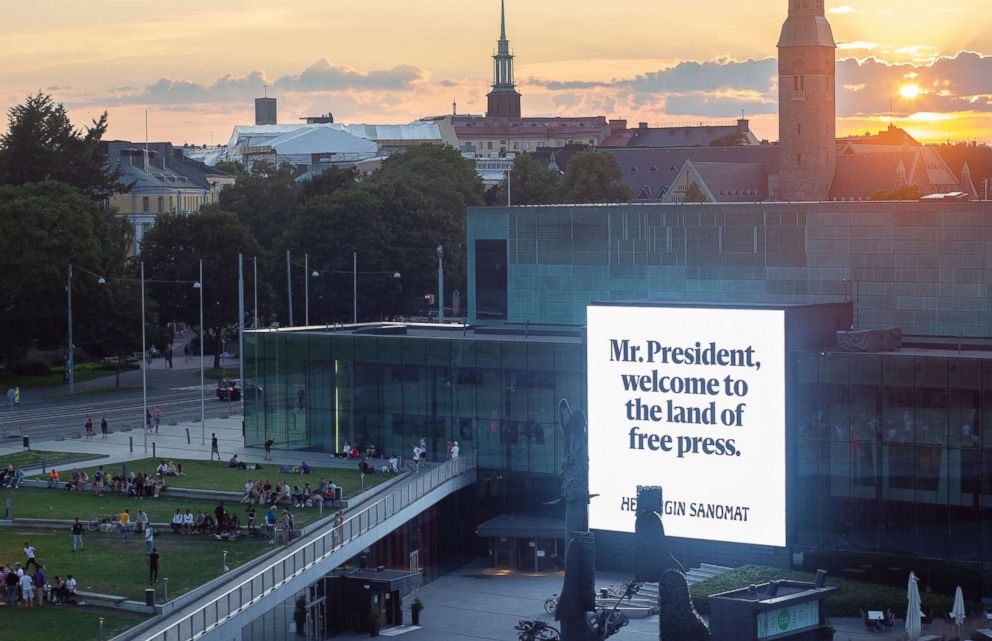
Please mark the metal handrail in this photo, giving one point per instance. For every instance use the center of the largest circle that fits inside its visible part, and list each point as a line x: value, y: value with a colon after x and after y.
x: 305, y: 554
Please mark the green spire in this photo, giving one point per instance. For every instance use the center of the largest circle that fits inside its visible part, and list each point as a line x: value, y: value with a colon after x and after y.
x: 502, y: 19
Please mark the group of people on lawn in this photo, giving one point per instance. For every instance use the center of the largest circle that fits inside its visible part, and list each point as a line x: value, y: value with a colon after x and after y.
x: 12, y: 476
x: 18, y: 586
x: 264, y: 493
x: 222, y: 522
x: 133, y: 484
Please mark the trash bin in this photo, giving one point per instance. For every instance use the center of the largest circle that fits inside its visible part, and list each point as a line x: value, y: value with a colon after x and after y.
x: 337, y: 494
x: 27, y: 442
x: 149, y: 597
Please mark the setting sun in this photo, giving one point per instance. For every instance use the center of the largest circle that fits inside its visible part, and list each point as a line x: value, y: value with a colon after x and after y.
x: 910, y: 91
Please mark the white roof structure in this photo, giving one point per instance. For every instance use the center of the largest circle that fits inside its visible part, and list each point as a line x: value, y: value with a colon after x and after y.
x: 298, y: 144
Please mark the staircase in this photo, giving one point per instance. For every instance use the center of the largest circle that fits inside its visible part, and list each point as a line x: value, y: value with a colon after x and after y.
x: 645, y: 602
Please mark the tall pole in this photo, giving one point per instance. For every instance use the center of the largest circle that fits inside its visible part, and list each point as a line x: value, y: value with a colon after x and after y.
x: 144, y: 364
x: 254, y: 280
x: 354, y: 287
x: 203, y: 413
x: 306, y: 289
x: 241, y: 329
x: 509, y: 201
x: 440, y: 284
x: 70, y: 366
x: 289, y: 288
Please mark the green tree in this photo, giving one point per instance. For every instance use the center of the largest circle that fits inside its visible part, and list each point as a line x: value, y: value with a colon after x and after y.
x: 171, y: 252
x: 264, y: 200
x: 695, y: 194
x: 906, y: 192
x: 328, y: 182
x: 594, y: 177
x: 42, y: 144
x: 44, y: 227
x: 733, y: 139
x: 531, y: 183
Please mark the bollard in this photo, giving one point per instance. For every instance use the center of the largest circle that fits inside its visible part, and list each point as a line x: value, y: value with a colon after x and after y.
x: 154, y: 455
x: 363, y: 481
x: 321, y: 503
x: 165, y: 589
x: 131, y: 442
x: 150, y: 597
x: 10, y: 509
x: 224, y: 563
x: 44, y: 466
x: 99, y: 629
x: 188, y: 442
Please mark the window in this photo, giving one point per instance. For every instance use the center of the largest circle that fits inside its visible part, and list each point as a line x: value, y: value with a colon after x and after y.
x: 490, y: 279
x: 799, y: 130
x: 799, y: 83
x: 161, y: 204
x: 799, y: 159
x: 144, y: 204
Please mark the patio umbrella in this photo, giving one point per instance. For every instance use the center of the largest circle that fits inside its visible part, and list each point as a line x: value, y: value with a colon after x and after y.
x: 957, y: 612
x: 914, y: 624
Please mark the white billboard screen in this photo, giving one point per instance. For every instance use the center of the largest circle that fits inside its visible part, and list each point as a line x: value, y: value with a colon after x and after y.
x: 691, y: 399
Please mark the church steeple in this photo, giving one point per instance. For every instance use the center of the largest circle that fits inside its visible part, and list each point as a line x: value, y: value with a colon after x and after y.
x: 504, y: 101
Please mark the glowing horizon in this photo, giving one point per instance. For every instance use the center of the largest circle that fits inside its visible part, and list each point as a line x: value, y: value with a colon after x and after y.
x: 197, y: 69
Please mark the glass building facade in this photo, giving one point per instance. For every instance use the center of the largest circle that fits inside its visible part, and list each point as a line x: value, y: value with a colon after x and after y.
x: 491, y: 393
x: 891, y: 453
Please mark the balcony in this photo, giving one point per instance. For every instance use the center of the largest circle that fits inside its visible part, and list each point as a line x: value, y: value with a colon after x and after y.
x: 799, y: 94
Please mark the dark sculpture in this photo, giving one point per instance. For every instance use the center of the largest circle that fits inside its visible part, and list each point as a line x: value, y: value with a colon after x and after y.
x: 678, y: 620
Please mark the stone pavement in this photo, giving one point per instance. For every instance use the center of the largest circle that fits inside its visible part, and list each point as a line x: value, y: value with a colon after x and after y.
x: 170, y: 443
x: 477, y: 602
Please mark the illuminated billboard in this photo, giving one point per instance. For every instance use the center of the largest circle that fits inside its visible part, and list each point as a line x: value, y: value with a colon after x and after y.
x: 691, y: 399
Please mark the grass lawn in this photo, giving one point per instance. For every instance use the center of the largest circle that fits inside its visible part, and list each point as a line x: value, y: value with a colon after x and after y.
x: 52, y: 379
x: 854, y: 597
x: 35, y: 457
x: 59, y: 504
x: 206, y: 475
x: 109, y: 566
x: 64, y: 623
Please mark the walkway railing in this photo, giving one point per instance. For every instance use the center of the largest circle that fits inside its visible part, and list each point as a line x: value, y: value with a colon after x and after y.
x: 306, y: 553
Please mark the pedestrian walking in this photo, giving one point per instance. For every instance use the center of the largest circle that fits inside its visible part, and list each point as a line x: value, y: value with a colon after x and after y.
x: 287, y: 526
x: 270, y: 524
x: 88, y: 426
x: 77, y: 535
x: 104, y: 427
x: 268, y: 449
x: 168, y: 355
x: 149, y: 539
x: 148, y: 420
x: 186, y: 352
x: 29, y: 552
x: 214, y: 447
x: 157, y: 417
x: 124, y: 519
x: 153, y: 559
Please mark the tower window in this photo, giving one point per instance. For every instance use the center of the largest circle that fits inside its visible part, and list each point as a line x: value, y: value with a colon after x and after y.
x: 799, y: 129
x: 799, y: 160
x: 799, y: 83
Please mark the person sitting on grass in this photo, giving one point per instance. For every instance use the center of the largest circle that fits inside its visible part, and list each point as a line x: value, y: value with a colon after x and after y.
x: 266, y: 493
x: 281, y: 493
x: 162, y: 468
x: 53, y: 479
x: 247, y: 496
x: 234, y: 463
x: 179, y: 470
x: 70, y: 589
x: 205, y: 525
x: 304, y: 468
x: 346, y: 450
x: 297, y: 496
x: 188, y: 521
x: 177, y: 521
x: 58, y: 590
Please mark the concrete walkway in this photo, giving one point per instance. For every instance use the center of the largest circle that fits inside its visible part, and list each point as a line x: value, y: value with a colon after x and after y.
x: 170, y: 443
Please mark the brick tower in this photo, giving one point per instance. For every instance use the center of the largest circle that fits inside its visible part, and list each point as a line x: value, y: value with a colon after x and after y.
x: 504, y: 101
x: 806, y: 105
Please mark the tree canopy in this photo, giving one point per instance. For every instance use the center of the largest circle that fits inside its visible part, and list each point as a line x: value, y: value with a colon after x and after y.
x: 42, y: 144
x: 593, y: 177
x: 171, y: 252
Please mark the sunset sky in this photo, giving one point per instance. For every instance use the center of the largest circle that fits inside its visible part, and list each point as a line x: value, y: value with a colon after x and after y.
x: 196, y: 66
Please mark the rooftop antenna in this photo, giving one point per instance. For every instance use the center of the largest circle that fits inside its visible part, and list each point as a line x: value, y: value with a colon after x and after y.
x: 454, y: 107
x: 891, y: 114
x: 265, y: 90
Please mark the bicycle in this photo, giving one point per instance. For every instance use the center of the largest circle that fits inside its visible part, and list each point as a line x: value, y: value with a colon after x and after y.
x: 536, y: 631
x: 551, y: 604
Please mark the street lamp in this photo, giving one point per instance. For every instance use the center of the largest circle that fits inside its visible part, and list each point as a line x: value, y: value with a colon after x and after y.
x: 440, y: 284
x: 203, y: 429
x: 307, y: 275
x: 69, y: 364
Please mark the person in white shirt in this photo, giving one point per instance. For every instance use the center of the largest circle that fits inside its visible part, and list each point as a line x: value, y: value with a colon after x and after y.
x: 188, y: 522
x: 249, y: 487
x: 70, y: 586
x: 142, y: 520
x: 27, y: 591
x: 394, y: 463
x: 454, y: 450
x: 149, y: 539
x: 177, y: 522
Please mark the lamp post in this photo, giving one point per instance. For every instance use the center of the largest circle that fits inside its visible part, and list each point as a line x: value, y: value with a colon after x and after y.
x: 144, y: 365
x: 70, y: 364
x: 255, y: 283
x: 289, y: 287
x: 354, y: 287
x: 203, y: 429
x: 307, y: 275
x: 440, y: 284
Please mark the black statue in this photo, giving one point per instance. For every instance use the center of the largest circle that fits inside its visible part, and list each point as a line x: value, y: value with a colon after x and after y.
x: 678, y: 620
x: 577, y: 603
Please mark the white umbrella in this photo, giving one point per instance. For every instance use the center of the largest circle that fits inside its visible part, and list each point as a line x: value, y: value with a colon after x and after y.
x: 957, y: 612
x: 914, y: 624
